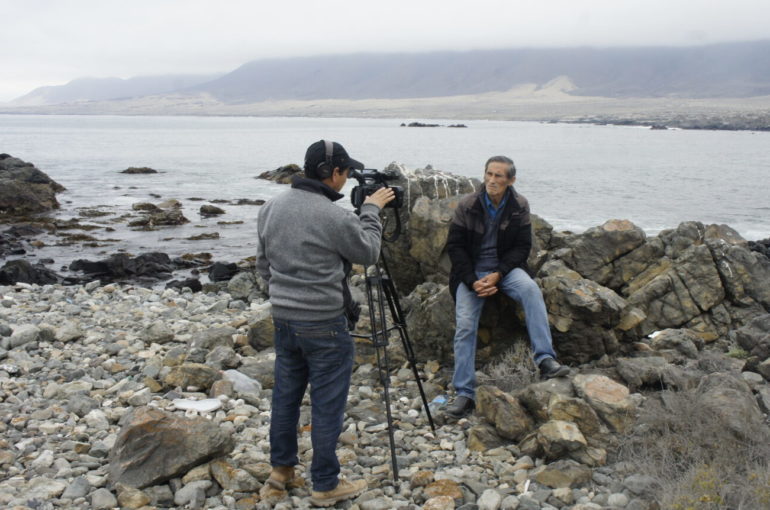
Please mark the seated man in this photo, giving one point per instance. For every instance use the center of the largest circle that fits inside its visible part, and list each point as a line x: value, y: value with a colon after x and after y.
x: 488, y: 244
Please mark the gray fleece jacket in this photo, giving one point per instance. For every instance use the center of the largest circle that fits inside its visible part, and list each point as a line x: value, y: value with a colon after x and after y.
x: 303, y: 241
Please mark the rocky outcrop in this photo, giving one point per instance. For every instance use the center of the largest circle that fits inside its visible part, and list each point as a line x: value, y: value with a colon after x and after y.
x: 24, y: 189
x: 22, y: 271
x: 282, y: 174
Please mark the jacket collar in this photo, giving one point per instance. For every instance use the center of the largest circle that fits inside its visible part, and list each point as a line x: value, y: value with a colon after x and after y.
x: 315, y: 186
x: 510, y: 201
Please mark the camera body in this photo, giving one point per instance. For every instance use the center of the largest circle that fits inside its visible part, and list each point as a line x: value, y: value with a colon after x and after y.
x: 369, y: 181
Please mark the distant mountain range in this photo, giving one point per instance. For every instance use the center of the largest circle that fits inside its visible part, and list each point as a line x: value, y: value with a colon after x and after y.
x: 731, y: 70
x: 105, y: 89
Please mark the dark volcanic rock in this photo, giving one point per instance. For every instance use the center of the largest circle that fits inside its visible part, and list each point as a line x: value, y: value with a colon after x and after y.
x: 25, y: 189
x: 139, y: 170
x: 193, y: 284
x: 121, y: 266
x: 22, y: 271
x: 211, y: 210
x: 282, y: 175
x: 220, y: 271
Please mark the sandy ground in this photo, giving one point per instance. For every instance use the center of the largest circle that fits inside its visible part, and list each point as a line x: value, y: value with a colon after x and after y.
x: 550, y: 102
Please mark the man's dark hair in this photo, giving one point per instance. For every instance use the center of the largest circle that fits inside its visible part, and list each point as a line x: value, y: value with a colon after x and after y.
x: 511, y: 172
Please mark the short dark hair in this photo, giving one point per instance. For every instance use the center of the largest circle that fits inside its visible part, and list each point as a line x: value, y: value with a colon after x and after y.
x: 502, y: 159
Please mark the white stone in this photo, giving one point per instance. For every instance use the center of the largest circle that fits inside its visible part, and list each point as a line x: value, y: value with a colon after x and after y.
x: 202, y: 406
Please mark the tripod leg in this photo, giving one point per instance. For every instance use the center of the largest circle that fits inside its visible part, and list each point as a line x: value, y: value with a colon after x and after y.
x: 380, y: 339
x: 398, y: 319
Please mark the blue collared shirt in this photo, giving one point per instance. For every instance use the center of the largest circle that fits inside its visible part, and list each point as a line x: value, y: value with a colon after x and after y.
x: 491, y: 209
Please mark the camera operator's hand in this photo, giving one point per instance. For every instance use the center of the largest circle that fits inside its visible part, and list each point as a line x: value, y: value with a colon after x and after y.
x: 380, y: 197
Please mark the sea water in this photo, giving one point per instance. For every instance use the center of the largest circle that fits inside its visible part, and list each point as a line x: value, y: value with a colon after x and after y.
x: 575, y: 176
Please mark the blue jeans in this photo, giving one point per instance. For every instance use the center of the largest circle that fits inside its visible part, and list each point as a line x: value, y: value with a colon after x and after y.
x: 319, y: 353
x: 518, y: 285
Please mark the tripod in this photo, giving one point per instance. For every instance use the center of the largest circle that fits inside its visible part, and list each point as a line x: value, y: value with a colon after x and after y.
x: 379, y: 290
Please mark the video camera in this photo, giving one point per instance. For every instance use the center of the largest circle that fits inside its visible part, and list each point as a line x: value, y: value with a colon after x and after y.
x: 369, y: 181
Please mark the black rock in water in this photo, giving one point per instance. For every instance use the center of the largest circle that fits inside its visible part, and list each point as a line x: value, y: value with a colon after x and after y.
x: 16, y: 271
x: 220, y: 271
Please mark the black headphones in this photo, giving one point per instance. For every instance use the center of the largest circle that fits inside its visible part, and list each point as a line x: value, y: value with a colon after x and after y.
x: 325, y: 168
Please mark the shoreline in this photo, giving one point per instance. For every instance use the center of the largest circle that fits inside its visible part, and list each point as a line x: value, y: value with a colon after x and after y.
x: 549, y: 105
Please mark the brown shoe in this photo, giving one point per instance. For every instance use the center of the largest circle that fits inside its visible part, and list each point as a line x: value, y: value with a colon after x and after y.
x: 282, y: 477
x: 344, y: 490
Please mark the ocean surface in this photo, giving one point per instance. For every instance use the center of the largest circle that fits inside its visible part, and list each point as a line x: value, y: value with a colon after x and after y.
x: 575, y: 176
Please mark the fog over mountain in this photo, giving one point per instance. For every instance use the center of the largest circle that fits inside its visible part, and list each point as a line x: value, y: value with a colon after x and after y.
x: 100, y: 89
x: 731, y: 70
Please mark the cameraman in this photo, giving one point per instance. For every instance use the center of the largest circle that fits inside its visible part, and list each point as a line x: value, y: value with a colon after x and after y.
x: 306, y: 245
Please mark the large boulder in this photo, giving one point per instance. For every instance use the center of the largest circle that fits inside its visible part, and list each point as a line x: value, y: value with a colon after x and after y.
x: 730, y: 401
x: 283, y: 174
x: 154, y: 446
x: 432, y: 220
x: 24, y: 189
x: 594, y: 251
x: 583, y: 313
x: 754, y: 337
x: 120, y: 266
x: 15, y: 271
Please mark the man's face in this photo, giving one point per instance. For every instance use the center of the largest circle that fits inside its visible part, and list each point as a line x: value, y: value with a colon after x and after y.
x: 496, y: 180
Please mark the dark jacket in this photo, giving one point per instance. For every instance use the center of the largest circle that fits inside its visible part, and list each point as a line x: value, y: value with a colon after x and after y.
x: 514, y: 237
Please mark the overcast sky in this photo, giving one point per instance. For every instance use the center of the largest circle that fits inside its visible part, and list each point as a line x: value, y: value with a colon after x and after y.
x: 50, y: 42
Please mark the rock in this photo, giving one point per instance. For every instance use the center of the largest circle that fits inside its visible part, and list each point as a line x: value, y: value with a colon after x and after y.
x: 684, y: 341
x: 129, y: 497
x: 243, y: 385
x: 754, y: 337
x: 261, y: 333
x: 574, y: 410
x: 231, y: 478
x: 582, y: 312
x: 594, y: 251
x: 146, y: 207
x: 157, y: 332
x: 168, y: 217
x: 194, y: 284
x: 213, y: 337
x: 77, y: 489
x: 537, y: 396
x: 609, y: 399
x: 743, y: 273
x: 653, y: 372
x: 483, y: 437
x: 192, y: 494
x: 509, y: 417
x: 490, y: 500
x: 282, y: 174
x: 562, y: 473
x: 154, y: 446
x: 19, y: 270
x: 242, y: 285
x: 439, y: 503
x: 24, y: 189
x: 558, y: 438
x: 730, y: 400
x: 102, y: 499
x: 24, y: 335
x: 444, y: 488
x: 139, y: 170
x: 220, y: 271
x: 641, y: 485
x: 431, y: 321
x: 122, y: 266
x: 406, y: 270
x: 211, y: 210
x: 194, y: 375
x: 69, y: 332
